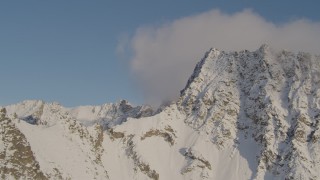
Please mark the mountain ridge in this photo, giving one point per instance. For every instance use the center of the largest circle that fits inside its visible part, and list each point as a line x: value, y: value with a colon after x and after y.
x: 256, y: 113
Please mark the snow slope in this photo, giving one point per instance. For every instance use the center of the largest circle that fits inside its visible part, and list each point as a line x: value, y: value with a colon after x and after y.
x: 242, y: 115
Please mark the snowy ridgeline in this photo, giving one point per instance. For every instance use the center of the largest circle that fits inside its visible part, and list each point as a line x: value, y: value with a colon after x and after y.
x: 242, y: 115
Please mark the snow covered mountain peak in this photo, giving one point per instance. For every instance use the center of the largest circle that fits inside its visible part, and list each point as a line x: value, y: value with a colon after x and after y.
x: 264, y: 47
x: 272, y: 96
x: 242, y: 115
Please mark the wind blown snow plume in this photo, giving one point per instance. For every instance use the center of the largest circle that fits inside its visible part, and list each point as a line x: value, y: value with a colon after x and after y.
x: 164, y: 56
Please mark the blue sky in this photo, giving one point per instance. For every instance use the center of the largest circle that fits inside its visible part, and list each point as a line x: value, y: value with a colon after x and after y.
x: 66, y: 51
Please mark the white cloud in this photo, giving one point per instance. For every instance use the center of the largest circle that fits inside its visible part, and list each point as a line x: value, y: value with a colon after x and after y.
x: 164, y: 56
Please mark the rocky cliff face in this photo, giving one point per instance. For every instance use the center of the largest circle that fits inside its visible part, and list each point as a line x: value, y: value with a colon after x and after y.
x: 268, y: 96
x: 16, y: 158
x: 242, y: 115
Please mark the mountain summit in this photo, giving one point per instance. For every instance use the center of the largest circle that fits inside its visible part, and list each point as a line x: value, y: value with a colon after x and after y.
x: 242, y: 115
